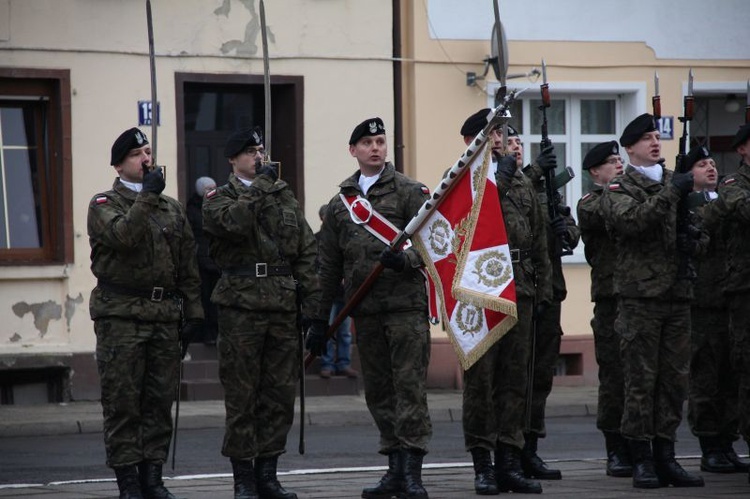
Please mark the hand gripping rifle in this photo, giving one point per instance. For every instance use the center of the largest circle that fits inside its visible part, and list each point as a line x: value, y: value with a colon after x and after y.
x: 494, y: 118
x: 686, y: 269
x: 562, y: 246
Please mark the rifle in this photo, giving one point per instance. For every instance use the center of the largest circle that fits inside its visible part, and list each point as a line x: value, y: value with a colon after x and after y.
x: 494, y: 117
x: 562, y: 246
x: 685, y: 268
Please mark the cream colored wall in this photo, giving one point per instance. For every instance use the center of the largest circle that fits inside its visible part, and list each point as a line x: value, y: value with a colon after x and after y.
x: 342, y: 48
x: 442, y: 100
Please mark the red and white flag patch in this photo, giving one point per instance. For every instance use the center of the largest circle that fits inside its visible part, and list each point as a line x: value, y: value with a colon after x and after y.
x: 101, y: 200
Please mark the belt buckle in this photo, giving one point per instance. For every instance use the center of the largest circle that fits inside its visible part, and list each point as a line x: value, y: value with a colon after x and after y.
x: 515, y: 255
x: 157, y: 293
x: 261, y: 270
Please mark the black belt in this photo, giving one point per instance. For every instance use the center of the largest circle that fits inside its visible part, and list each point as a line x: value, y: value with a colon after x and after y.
x: 259, y: 270
x: 516, y: 255
x: 157, y: 293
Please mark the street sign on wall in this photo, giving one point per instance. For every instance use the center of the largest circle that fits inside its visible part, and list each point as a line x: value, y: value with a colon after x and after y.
x: 144, y: 113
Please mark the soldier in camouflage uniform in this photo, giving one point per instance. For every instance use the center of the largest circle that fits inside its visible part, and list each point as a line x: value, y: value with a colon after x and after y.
x: 548, y: 332
x: 603, y: 162
x: 712, y: 401
x: 259, y: 238
x: 499, y: 378
x: 654, y: 294
x: 143, y: 256
x: 733, y: 206
x: 393, y: 336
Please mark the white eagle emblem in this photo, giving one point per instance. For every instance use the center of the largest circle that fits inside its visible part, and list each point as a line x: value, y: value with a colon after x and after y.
x: 140, y: 137
x: 374, y: 127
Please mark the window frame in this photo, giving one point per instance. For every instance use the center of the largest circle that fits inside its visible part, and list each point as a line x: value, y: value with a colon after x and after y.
x: 630, y: 101
x: 54, y: 162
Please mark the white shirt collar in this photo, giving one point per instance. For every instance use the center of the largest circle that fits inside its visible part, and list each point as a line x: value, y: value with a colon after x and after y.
x: 654, y: 172
x: 133, y: 186
x: 366, y: 182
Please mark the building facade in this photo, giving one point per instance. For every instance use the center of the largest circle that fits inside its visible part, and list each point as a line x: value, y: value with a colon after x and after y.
x: 75, y: 73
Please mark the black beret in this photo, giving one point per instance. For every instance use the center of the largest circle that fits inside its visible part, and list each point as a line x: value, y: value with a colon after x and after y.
x: 599, y: 154
x: 129, y: 139
x: 372, y: 126
x: 742, y: 135
x: 475, y: 123
x: 241, y: 140
x: 696, y: 154
x: 512, y: 132
x: 636, y: 129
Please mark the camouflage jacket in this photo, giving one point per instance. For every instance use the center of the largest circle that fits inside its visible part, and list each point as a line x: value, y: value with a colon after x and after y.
x: 525, y: 228
x: 643, y: 216
x: 733, y: 209
x: 711, y: 268
x: 559, y: 291
x: 140, y: 241
x: 262, y: 223
x: 349, y: 252
x: 599, y: 245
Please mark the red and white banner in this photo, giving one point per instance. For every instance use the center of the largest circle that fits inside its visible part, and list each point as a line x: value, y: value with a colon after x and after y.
x: 466, y: 253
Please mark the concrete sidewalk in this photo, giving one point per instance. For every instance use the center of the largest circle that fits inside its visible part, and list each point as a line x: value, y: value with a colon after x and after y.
x: 86, y: 417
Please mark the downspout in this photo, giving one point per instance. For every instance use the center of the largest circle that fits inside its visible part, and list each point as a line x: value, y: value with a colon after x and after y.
x: 398, y: 129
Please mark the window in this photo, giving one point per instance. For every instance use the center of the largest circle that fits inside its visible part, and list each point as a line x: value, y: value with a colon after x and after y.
x: 35, y: 186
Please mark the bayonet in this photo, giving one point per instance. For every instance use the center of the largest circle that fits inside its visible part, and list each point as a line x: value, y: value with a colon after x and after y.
x: 656, y: 99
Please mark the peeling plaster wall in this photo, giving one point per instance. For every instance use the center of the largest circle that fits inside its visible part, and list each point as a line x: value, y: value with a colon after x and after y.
x: 342, y: 48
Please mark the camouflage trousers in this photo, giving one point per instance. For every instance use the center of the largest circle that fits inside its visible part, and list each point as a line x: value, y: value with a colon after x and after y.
x: 138, y: 364
x: 607, y: 350
x: 655, y: 352
x: 712, y: 400
x: 499, y: 380
x: 545, y: 353
x: 739, y: 327
x: 258, y: 368
x: 394, y: 351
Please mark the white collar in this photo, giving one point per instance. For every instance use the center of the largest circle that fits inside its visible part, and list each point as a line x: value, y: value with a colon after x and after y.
x: 133, y: 186
x: 366, y: 182
x: 654, y: 172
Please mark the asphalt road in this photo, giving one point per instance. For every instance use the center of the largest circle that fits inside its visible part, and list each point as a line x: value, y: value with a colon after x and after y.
x: 81, y: 457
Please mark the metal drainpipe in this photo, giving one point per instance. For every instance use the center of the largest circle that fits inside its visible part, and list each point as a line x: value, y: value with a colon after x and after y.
x: 398, y: 134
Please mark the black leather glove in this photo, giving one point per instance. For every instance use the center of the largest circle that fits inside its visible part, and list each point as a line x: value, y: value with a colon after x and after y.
x: 269, y: 169
x: 506, y: 167
x: 547, y: 160
x: 683, y: 182
x: 153, y: 180
x: 316, y: 337
x: 395, y: 260
x: 190, y: 330
x: 559, y: 226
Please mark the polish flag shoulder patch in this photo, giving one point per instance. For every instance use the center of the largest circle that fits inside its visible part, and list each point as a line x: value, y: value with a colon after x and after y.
x: 587, y: 196
x: 101, y: 199
x: 425, y: 189
x: 729, y: 181
x: 614, y: 187
x: 210, y: 193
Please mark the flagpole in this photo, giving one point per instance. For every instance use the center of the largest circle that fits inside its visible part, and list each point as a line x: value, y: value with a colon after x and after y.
x: 494, y: 117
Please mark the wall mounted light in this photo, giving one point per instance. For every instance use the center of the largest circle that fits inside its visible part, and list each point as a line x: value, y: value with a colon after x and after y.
x: 731, y: 104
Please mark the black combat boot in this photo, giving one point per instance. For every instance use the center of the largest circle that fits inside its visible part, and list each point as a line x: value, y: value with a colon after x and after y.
x: 669, y: 470
x: 392, y: 483
x: 644, y: 473
x: 484, y: 473
x: 127, y: 482
x: 738, y: 463
x: 533, y: 466
x: 618, y: 455
x: 413, y: 487
x: 713, y: 458
x: 267, y: 483
x: 244, y: 479
x: 152, y: 484
x: 508, y: 472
